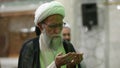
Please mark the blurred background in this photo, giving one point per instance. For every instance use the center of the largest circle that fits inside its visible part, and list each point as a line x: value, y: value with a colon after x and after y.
x: 94, y: 30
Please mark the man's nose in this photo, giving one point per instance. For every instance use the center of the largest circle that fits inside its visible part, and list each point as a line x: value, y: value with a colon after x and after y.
x: 67, y: 37
x: 57, y: 30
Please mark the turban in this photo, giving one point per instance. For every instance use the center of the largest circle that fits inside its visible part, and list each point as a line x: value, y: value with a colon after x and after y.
x: 48, y: 9
x: 65, y: 24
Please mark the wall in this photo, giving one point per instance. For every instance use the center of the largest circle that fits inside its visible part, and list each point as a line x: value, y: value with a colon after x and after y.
x: 12, y: 35
x: 114, y: 18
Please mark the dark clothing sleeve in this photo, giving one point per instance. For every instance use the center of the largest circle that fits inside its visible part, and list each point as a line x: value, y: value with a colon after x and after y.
x: 69, y: 48
x: 26, y: 55
x: 29, y: 54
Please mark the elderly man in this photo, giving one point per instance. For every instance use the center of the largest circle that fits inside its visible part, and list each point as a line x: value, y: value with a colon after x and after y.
x: 48, y: 50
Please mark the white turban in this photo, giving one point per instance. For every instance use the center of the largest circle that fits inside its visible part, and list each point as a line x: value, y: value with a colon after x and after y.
x: 65, y: 24
x: 48, y: 9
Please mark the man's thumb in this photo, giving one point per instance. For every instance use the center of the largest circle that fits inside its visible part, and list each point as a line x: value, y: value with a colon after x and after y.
x: 59, y: 54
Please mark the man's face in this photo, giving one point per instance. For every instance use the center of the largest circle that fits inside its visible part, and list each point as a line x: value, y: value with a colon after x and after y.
x: 52, y: 29
x: 53, y: 25
x: 66, y: 33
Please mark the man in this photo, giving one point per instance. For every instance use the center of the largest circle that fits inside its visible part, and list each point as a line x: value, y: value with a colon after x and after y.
x: 48, y: 50
x: 66, y: 32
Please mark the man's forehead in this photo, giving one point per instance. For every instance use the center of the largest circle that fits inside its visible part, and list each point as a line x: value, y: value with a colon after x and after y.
x: 54, y: 19
x: 55, y: 16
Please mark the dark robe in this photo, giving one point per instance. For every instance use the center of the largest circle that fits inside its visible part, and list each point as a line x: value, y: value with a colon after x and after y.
x: 29, y: 54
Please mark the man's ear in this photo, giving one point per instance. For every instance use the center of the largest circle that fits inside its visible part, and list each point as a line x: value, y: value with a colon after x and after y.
x: 40, y: 26
x: 43, y: 26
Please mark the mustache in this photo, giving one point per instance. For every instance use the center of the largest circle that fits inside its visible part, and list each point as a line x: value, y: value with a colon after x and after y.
x: 56, y: 35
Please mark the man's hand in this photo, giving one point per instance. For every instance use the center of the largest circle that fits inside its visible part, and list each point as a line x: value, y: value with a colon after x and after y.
x: 76, y: 60
x: 70, y: 58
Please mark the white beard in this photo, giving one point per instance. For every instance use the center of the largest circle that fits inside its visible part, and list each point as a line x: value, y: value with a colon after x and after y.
x: 53, y: 41
x: 50, y: 46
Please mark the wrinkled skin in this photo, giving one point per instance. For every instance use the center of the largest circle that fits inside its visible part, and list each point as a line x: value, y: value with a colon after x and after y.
x: 70, y: 59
